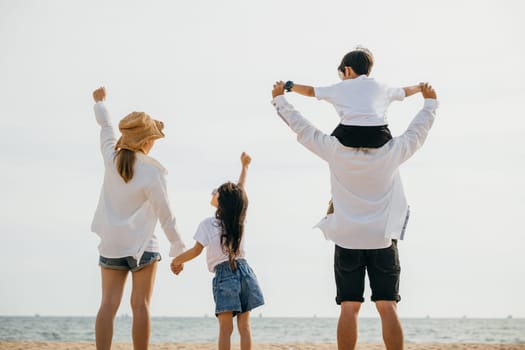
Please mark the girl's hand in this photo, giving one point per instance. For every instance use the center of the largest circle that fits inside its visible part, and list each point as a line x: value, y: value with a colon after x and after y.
x: 245, y: 159
x: 99, y: 94
x: 176, y: 268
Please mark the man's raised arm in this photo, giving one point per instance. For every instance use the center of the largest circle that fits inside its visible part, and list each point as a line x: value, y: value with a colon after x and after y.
x: 308, y: 135
x: 414, y: 137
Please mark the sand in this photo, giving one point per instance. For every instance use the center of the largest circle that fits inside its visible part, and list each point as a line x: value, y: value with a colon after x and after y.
x: 265, y: 346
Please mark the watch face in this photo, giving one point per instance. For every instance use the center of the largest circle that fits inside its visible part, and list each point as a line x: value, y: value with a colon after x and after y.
x: 288, y: 85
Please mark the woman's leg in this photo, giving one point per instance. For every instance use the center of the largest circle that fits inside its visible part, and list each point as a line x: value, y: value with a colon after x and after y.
x: 113, y: 282
x: 141, y: 292
x: 243, y: 324
x: 225, y: 330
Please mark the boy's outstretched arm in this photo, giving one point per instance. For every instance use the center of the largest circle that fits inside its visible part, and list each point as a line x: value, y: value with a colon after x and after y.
x: 411, y: 90
x: 245, y: 161
x: 177, y: 264
x: 305, y: 90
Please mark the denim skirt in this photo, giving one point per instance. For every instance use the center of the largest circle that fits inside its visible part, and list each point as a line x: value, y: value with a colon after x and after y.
x: 236, y: 291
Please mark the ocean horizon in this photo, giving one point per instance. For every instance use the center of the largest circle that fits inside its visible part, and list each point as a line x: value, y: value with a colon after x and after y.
x: 166, y: 329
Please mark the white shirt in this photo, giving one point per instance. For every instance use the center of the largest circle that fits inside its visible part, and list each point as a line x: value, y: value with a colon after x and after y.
x: 360, y: 101
x: 209, y: 235
x: 370, y: 206
x: 127, y: 213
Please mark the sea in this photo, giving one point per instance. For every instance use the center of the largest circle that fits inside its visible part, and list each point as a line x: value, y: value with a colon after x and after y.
x: 265, y: 330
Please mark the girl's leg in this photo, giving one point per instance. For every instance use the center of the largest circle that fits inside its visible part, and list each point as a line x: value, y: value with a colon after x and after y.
x: 141, y: 291
x: 243, y: 324
x: 225, y: 330
x: 113, y: 282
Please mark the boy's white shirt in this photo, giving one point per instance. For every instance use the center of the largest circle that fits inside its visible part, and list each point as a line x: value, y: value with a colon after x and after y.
x: 209, y: 235
x: 370, y: 206
x: 127, y: 213
x: 361, y: 101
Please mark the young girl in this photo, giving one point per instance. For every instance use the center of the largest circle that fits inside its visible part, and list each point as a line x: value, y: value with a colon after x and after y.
x: 235, y: 287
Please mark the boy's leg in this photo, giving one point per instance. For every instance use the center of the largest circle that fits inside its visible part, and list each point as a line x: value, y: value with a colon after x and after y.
x: 113, y: 282
x: 225, y: 330
x: 347, y: 325
x: 330, y: 209
x: 243, y: 324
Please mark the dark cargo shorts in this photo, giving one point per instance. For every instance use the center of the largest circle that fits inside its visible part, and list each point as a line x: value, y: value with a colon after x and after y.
x: 382, y: 266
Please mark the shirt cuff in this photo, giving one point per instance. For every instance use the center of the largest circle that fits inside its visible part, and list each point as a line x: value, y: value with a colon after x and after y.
x: 279, y: 101
x: 431, y: 103
x: 98, y: 105
x: 177, y: 249
x: 101, y: 114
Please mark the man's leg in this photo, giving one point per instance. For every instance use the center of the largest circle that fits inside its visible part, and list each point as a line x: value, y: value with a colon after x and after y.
x: 384, y: 271
x: 349, y: 272
x: 347, y: 325
x: 390, y: 324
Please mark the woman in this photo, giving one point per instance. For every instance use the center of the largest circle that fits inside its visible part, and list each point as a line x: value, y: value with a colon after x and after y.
x: 133, y: 198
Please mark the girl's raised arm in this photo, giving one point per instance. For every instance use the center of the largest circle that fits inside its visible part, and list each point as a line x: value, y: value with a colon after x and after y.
x: 245, y: 161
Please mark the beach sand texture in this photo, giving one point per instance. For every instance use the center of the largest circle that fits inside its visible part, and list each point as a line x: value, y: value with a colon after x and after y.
x: 261, y: 346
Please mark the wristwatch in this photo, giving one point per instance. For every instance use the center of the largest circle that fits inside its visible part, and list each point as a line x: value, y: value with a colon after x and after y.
x: 288, y: 86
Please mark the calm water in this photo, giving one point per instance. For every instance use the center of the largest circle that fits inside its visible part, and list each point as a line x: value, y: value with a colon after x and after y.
x: 276, y: 330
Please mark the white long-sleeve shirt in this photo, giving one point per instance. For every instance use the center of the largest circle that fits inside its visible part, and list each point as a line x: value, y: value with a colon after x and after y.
x: 370, y: 207
x: 127, y: 213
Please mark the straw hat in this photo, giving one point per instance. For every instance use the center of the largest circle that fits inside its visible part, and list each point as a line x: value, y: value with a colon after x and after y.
x: 137, y: 128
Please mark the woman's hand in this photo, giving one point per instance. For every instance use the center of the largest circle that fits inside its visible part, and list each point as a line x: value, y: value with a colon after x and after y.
x: 245, y: 159
x: 99, y: 94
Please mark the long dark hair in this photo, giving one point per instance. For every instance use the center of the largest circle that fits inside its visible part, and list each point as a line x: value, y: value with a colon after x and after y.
x: 231, y: 213
x: 125, y: 160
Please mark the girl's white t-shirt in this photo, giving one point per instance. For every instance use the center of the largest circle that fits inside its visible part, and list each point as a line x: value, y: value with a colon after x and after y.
x: 361, y: 101
x: 209, y: 235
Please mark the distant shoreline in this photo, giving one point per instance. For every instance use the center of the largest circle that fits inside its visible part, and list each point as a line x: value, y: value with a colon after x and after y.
x: 265, y: 330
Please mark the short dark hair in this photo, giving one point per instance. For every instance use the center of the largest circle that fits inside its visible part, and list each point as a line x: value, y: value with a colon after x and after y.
x: 360, y: 60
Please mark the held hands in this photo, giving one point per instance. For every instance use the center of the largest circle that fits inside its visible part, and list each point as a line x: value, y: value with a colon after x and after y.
x: 278, y: 89
x: 245, y: 159
x: 99, y: 94
x: 176, y: 268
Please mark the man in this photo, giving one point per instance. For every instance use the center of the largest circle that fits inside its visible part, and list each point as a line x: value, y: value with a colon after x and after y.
x: 370, y: 213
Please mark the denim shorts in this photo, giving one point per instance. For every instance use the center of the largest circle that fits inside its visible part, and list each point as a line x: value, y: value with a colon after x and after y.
x: 129, y: 263
x: 381, y: 265
x: 236, y: 291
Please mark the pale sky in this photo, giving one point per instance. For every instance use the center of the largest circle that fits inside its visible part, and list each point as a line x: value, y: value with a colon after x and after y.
x: 206, y: 69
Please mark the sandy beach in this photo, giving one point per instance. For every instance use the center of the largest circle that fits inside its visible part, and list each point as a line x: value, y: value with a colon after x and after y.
x: 261, y: 346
